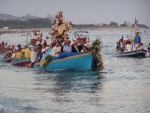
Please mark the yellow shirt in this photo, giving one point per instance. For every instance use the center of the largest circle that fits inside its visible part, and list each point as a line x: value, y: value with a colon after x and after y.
x: 27, y: 53
x: 18, y: 55
x: 131, y: 39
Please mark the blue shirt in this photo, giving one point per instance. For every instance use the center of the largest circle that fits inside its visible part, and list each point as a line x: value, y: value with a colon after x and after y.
x: 137, y: 40
x: 118, y: 46
x: 39, y: 55
x: 67, y: 48
x: 48, y: 52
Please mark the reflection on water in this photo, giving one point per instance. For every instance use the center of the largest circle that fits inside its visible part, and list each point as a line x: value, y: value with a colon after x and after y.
x: 72, y: 81
x: 122, y: 87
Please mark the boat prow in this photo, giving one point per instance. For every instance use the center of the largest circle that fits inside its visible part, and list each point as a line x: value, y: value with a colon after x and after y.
x: 7, y: 59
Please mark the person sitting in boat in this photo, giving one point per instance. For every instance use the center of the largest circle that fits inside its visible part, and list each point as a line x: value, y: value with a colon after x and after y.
x: 81, y: 44
x: 128, y: 47
x: 34, y: 54
x: 137, y: 39
x: 148, y: 49
x: 56, y: 50
x: 26, y: 52
x: 2, y: 46
x: 140, y: 46
x: 48, y: 51
x: 75, y: 46
x: 19, y: 47
x: 67, y: 47
x: 8, y: 53
x: 118, y: 46
x: 84, y: 49
x: 44, y: 49
x: 39, y: 55
x: 14, y: 54
x: 18, y: 54
x: 121, y: 45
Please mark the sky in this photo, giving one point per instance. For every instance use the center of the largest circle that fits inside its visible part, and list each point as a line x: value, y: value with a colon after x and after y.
x: 82, y: 11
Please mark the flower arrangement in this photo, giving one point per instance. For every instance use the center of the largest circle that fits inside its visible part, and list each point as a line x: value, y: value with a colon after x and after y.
x: 95, y: 49
x: 45, y: 61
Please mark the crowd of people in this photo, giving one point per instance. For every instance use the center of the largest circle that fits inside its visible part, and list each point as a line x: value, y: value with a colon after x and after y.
x: 60, y: 42
x: 40, y: 48
x: 130, y: 44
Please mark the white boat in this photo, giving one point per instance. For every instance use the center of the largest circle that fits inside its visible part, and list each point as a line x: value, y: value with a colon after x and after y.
x: 137, y: 53
x: 22, y: 34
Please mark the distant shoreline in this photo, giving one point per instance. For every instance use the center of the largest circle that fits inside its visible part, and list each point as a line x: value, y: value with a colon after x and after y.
x: 6, y: 31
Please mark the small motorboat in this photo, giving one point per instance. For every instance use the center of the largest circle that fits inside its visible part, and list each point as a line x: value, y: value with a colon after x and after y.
x: 8, y: 59
x: 22, y: 35
x: 21, y: 61
x: 137, y: 53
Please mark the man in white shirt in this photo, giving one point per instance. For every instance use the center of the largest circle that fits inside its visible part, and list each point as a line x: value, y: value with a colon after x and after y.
x: 56, y: 50
x: 67, y: 47
x: 128, y: 48
x: 34, y: 54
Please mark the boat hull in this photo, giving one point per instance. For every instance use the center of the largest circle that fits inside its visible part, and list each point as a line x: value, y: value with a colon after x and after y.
x: 138, y: 53
x: 81, y: 61
x: 8, y: 60
x: 21, y: 62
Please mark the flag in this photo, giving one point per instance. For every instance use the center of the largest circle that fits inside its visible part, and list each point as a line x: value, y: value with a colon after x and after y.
x: 136, y: 27
x: 136, y: 22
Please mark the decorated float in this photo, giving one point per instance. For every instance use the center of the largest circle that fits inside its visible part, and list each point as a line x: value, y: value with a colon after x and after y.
x: 72, y: 60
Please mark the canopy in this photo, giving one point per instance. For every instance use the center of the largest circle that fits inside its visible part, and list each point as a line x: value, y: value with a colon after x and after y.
x: 76, y: 32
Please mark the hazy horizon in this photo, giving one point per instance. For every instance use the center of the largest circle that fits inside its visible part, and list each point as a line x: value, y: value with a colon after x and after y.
x: 82, y: 11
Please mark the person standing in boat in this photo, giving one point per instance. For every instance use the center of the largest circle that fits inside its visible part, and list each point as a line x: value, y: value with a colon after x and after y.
x: 137, y: 40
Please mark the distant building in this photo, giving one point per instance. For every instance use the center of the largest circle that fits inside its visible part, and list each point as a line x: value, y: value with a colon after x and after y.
x: 5, y: 28
x: 102, y: 24
x: 128, y: 23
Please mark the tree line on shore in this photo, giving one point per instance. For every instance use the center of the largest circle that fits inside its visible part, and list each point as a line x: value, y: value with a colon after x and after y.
x: 30, y: 23
x: 47, y: 23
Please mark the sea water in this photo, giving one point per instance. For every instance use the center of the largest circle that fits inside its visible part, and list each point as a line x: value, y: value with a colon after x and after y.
x: 123, y: 86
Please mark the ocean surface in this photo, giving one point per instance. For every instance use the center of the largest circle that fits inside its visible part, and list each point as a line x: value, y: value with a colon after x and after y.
x: 123, y: 86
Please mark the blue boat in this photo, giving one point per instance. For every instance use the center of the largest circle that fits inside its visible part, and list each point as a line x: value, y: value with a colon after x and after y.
x: 75, y: 62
